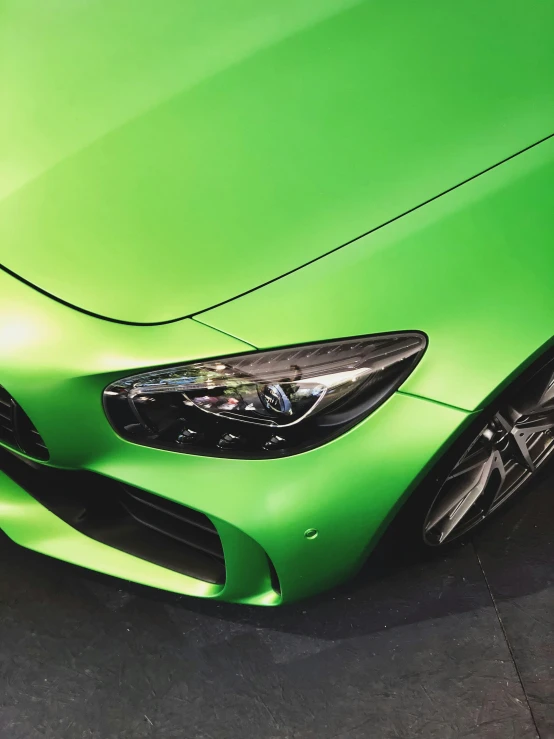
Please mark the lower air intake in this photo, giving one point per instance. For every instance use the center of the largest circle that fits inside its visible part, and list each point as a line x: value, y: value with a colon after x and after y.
x: 125, y: 518
x: 17, y: 430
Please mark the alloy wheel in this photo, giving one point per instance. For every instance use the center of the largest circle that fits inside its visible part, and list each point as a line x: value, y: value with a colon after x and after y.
x: 504, y: 455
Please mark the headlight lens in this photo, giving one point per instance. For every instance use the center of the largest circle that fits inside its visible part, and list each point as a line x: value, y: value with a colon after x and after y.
x: 262, y: 404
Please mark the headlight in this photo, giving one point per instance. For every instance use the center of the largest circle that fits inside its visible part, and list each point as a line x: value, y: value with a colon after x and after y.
x: 262, y: 404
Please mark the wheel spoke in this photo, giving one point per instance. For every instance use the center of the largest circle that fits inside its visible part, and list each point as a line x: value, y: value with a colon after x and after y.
x: 454, y: 505
x: 517, y: 439
x: 469, y: 463
x: 500, y: 468
x: 541, y: 420
x: 520, y: 449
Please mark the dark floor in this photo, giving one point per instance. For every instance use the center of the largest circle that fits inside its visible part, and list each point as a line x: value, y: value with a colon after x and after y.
x: 459, y: 646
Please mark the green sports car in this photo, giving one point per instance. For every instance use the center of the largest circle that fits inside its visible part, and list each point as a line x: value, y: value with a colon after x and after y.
x: 277, y: 276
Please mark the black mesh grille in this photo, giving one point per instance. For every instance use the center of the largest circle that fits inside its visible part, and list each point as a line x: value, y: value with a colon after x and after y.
x: 17, y: 430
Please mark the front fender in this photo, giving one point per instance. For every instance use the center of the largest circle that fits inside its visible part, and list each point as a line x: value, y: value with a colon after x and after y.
x: 474, y: 270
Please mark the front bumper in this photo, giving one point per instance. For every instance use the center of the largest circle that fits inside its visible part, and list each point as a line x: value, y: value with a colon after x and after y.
x: 56, y: 362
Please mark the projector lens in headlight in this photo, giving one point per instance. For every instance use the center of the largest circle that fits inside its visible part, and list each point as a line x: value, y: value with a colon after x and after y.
x: 268, y: 403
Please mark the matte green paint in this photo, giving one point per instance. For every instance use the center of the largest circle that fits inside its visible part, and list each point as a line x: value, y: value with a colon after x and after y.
x: 57, y: 362
x: 473, y: 269
x: 158, y: 160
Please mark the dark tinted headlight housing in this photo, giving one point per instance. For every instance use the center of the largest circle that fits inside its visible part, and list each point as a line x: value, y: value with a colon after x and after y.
x: 266, y: 403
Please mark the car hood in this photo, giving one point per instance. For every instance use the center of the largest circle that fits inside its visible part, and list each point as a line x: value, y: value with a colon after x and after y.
x: 158, y: 159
